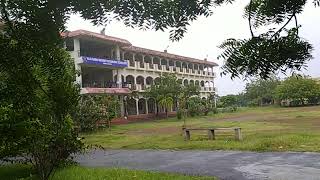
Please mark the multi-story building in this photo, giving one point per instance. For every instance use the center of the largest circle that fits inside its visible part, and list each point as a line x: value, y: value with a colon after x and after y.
x: 111, y: 65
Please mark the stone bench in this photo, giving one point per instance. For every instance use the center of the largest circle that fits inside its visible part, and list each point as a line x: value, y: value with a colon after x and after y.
x: 211, y: 132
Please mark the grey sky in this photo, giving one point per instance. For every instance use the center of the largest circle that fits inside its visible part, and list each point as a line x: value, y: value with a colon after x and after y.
x: 205, y: 34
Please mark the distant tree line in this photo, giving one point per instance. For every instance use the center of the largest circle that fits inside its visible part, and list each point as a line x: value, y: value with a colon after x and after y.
x: 296, y: 90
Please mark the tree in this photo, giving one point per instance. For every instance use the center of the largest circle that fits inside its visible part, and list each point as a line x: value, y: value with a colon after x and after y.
x: 92, y: 109
x: 228, y: 100
x: 298, y: 90
x: 164, y: 90
x: 37, y: 98
x: 269, y: 52
x: 166, y: 102
x: 38, y: 93
x: 261, y: 92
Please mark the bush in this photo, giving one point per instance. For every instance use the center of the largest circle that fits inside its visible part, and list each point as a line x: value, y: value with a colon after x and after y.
x: 87, y: 114
x: 214, y: 110
x: 92, y: 109
x: 179, y: 114
x: 195, y: 106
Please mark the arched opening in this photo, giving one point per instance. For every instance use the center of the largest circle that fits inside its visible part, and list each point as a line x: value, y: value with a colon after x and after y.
x: 184, y: 65
x: 156, y: 61
x: 207, y: 84
x: 202, y: 83
x: 197, y: 83
x: 151, y: 105
x: 130, y: 79
x: 204, y: 98
x: 149, y: 80
x: 171, y: 63
x: 148, y: 59
x: 157, y: 80
x: 142, y: 106
x: 178, y: 64
x: 191, y: 82
x: 131, y: 107
x: 129, y: 56
x: 185, y: 82
x: 139, y: 58
x: 140, y: 80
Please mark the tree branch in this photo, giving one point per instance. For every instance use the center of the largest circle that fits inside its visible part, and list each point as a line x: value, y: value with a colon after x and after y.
x: 296, y: 21
x: 293, y: 15
x: 249, y: 19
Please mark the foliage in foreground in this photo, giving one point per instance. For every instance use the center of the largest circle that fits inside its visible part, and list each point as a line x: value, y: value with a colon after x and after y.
x: 12, y: 172
x: 37, y: 97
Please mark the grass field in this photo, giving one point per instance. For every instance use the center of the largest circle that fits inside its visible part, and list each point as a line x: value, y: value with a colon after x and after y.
x: 13, y: 172
x: 264, y: 129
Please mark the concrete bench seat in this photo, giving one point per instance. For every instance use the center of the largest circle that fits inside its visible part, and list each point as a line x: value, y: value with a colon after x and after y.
x: 211, y: 132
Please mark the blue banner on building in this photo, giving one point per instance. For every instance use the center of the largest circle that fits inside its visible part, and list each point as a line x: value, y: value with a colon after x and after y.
x: 106, y: 62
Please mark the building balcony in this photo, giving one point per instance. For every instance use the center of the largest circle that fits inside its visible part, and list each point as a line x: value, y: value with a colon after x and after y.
x: 105, y: 85
x: 103, y: 62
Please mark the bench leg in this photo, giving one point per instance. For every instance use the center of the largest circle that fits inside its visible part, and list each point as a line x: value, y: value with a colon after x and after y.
x: 211, y: 135
x: 187, y: 135
x: 238, y: 135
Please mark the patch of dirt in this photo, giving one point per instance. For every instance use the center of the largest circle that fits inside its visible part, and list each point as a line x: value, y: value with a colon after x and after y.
x: 163, y: 130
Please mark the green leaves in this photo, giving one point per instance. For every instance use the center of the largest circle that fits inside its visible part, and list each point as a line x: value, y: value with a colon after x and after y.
x: 265, y: 55
x: 298, y: 90
x: 266, y: 12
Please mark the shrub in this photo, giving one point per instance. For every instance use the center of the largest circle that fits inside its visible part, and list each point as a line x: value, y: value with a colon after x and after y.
x: 214, y: 110
x: 87, y: 113
x: 179, y: 114
x: 92, y: 109
x: 195, y: 106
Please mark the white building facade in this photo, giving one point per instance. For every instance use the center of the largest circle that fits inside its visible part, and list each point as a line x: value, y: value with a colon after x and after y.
x: 110, y: 65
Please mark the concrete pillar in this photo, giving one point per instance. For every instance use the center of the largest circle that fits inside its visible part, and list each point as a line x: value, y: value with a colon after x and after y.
x: 122, y: 54
x: 118, y: 57
x: 147, y: 109
x: 77, y: 60
x: 137, y: 106
x: 117, y: 53
x: 134, y: 59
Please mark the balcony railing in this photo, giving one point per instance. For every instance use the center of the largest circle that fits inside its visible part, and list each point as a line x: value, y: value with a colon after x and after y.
x: 105, y: 85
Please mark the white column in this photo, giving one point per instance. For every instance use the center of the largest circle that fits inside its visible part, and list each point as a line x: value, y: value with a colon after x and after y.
x: 76, y: 45
x: 118, y: 57
x: 117, y: 53
x: 134, y: 60
x: 147, y: 110
x: 122, y: 53
x: 137, y: 106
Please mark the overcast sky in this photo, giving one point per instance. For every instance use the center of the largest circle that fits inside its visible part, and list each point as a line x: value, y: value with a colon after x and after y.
x: 205, y: 34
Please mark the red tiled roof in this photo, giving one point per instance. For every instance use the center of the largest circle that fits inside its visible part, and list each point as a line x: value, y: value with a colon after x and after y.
x: 167, y: 55
x: 114, y: 91
x: 128, y: 47
x: 96, y: 35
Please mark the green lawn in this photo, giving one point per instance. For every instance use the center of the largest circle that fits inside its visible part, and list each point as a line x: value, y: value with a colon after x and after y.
x: 13, y: 172
x: 264, y: 129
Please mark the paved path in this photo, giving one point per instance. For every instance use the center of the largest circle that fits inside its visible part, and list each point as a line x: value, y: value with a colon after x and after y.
x: 227, y: 165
